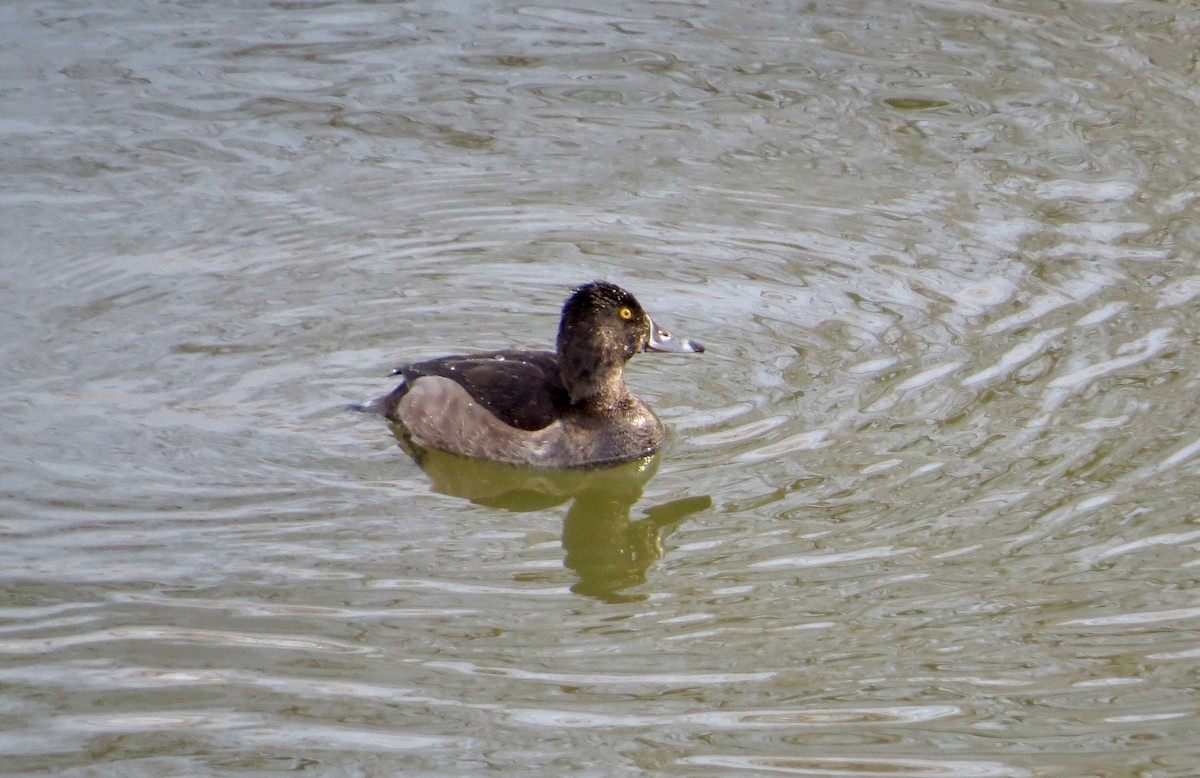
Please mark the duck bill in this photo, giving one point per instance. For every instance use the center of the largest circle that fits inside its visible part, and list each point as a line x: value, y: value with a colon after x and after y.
x: 661, y: 340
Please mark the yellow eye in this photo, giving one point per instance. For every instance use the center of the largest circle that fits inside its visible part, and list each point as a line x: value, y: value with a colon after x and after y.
x: 626, y: 314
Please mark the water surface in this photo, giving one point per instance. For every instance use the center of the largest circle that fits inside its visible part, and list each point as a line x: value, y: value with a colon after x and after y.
x: 927, y: 508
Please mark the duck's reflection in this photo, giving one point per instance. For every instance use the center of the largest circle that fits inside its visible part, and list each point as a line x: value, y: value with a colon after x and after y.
x: 606, y: 548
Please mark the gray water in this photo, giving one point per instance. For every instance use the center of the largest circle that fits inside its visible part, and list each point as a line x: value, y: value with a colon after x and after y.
x: 928, y: 507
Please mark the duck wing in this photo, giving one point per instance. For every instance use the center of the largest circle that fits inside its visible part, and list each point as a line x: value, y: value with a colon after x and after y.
x: 520, y: 388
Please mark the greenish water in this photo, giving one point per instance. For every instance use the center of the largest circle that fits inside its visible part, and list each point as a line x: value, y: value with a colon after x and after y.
x: 928, y: 503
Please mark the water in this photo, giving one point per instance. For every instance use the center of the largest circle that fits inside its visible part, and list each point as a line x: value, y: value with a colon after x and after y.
x: 927, y: 505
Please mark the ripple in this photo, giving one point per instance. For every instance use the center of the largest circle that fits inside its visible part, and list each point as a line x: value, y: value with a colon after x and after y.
x: 927, y: 376
x: 739, y: 434
x: 1088, y: 192
x: 590, y: 679
x: 859, y: 767
x: 459, y: 587
x: 818, y: 560
x: 801, y: 441
x: 1125, y: 619
x: 45, y: 645
x: 1135, y: 352
x: 1015, y: 357
x: 738, y: 720
x: 323, y: 737
x: 249, y: 729
x: 1101, y: 314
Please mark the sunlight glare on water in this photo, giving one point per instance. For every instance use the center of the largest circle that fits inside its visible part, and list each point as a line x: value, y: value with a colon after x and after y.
x: 927, y: 507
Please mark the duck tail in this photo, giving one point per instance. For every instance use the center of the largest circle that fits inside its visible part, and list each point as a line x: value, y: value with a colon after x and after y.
x: 378, y: 406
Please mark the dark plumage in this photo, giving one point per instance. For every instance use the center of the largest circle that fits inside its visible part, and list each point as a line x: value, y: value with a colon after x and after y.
x: 565, y: 409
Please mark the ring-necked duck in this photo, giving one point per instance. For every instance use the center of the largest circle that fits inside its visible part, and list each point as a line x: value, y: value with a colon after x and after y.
x: 538, y: 408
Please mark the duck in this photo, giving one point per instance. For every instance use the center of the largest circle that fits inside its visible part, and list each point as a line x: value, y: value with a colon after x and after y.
x: 567, y: 408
